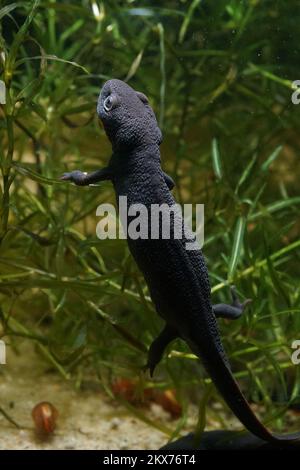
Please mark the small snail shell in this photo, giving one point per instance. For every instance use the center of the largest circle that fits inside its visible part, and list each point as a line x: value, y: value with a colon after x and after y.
x: 44, y: 415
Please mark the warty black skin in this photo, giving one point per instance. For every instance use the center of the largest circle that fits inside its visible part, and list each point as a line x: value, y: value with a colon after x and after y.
x: 177, y: 278
x: 224, y: 440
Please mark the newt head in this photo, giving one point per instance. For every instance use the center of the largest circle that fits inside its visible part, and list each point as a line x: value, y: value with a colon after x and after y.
x: 127, y: 117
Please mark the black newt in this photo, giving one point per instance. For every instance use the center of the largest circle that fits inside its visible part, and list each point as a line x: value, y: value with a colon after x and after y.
x: 177, y: 278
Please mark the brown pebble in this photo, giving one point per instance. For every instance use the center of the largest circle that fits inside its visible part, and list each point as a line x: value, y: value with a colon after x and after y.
x: 44, y: 415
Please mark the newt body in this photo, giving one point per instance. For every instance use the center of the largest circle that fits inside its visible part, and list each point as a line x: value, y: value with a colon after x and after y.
x: 177, y: 278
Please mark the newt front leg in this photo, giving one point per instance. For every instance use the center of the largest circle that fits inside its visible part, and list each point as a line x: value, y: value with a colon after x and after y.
x: 81, y: 178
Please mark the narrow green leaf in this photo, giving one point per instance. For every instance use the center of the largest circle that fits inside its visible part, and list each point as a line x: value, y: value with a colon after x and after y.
x: 202, y: 415
x: 263, y: 349
x: 52, y: 284
x: 134, y: 66
x: 217, y: 165
x: 247, y: 172
x: 51, y: 57
x: 265, y: 166
x: 280, y: 288
x: 29, y: 91
x: 237, y: 245
x: 20, y: 36
x: 259, y: 264
x: 152, y: 11
x: 142, y: 417
x: 71, y: 30
x: 276, y: 206
x: 33, y: 88
x: 35, y: 176
x: 187, y: 19
x: 77, y: 109
x: 7, y: 9
x: 265, y: 73
x: 162, y: 64
x: 39, y: 110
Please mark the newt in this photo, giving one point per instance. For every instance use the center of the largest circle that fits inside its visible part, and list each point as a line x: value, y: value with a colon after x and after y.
x: 177, y: 278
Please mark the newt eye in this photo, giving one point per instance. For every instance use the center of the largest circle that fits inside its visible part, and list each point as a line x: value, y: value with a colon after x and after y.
x: 110, y: 102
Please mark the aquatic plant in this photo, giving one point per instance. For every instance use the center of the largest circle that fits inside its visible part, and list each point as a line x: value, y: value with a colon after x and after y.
x: 220, y: 77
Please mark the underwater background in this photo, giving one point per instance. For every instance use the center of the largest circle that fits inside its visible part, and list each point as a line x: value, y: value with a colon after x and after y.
x: 76, y: 317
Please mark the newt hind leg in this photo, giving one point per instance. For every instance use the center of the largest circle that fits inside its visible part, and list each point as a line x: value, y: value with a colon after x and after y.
x: 158, y: 347
x: 233, y: 311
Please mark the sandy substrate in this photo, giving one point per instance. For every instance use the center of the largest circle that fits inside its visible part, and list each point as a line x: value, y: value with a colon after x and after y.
x: 87, y: 419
